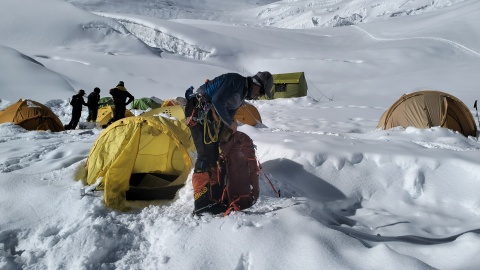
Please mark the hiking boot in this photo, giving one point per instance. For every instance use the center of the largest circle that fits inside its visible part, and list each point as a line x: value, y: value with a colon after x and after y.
x: 216, y: 192
x: 214, y: 209
x: 203, y: 202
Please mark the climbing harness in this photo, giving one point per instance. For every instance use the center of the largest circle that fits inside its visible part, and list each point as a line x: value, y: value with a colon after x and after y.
x: 204, y: 114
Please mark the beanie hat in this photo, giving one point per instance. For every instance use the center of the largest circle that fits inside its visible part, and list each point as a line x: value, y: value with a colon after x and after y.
x: 266, y: 81
x: 120, y: 83
x: 81, y: 91
x: 96, y: 90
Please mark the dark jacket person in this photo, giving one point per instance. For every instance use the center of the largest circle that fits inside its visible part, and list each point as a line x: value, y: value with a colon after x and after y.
x: 77, y: 103
x: 120, y: 96
x: 92, y: 102
x: 209, y: 111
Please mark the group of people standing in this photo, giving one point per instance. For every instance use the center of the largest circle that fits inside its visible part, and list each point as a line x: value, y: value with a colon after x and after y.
x: 119, y: 95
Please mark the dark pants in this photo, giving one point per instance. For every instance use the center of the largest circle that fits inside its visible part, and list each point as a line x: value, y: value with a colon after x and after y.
x: 207, y: 153
x: 92, y: 114
x: 76, y: 114
x: 119, y: 113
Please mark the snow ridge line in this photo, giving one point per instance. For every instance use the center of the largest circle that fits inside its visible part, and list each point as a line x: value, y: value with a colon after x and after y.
x: 452, y: 43
x: 158, y: 39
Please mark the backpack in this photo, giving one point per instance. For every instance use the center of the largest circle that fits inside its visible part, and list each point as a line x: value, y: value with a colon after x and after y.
x: 239, y: 171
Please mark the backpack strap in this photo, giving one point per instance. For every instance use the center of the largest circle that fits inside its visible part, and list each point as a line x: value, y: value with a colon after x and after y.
x: 234, y: 206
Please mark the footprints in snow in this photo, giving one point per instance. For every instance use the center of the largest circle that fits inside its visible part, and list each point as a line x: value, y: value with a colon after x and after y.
x: 414, y: 181
x: 23, y: 161
x: 42, y: 148
x: 244, y: 263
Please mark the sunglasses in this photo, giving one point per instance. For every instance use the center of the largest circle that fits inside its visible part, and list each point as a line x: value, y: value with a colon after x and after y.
x: 260, y: 83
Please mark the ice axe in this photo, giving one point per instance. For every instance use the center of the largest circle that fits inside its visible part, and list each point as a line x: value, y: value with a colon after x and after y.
x: 475, y: 106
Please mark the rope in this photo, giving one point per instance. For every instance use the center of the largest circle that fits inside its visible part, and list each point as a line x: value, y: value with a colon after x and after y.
x: 260, y: 168
x: 331, y: 99
x: 206, y: 127
x: 207, y: 123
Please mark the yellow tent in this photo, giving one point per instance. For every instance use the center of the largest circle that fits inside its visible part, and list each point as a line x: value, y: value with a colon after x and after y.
x: 140, y: 158
x: 248, y: 114
x: 106, y: 113
x: 175, y: 111
x: 425, y: 109
x: 31, y: 115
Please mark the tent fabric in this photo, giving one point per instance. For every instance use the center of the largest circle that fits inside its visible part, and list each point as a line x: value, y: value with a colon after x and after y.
x: 105, y: 101
x: 144, y: 104
x: 106, y: 113
x: 288, y: 85
x: 248, y: 114
x: 176, y: 111
x: 140, y: 145
x: 425, y: 109
x: 170, y: 102
x: 31, y: 115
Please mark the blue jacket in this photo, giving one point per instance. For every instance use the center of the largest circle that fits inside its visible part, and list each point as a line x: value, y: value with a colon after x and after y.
x: 227, y: 93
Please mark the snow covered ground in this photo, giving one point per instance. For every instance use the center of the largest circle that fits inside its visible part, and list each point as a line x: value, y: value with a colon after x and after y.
x: 353, y: 197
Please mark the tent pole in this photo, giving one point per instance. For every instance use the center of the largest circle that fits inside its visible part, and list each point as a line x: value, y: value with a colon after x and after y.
x: 475, y: 106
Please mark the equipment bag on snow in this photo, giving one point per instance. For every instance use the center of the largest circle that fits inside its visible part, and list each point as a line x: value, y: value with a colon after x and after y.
x: 240, y: 172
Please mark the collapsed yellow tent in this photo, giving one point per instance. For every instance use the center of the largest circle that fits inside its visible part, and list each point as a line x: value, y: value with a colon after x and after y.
x: 31, y: 115
x: 425, y: 109
x: 248, y: 114
x: 106, y: 113
x: 141, y: 158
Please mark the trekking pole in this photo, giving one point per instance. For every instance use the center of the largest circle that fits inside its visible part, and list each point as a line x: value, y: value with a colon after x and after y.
x: 475, y: 106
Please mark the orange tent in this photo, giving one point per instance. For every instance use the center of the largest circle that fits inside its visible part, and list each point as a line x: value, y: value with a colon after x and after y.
x: 248, y: 114
x: 425, y: 109
x: 31, y: 115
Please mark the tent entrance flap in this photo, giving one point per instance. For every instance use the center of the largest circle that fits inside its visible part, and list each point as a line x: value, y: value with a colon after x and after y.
x: 152, y: 186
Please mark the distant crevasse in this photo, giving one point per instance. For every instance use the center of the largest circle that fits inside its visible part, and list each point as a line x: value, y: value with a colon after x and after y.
x: 157, y: 39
